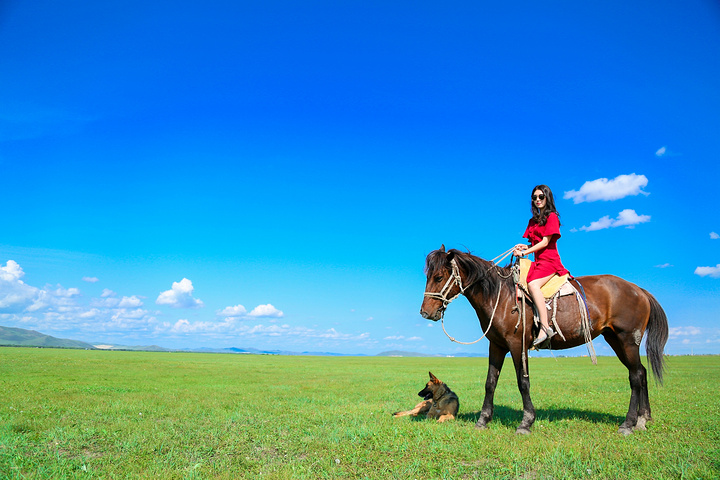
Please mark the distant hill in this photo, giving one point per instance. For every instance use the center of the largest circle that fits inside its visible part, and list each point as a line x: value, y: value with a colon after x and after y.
x: 18, y: 337
x: 132, y: 348
x: 399, y: 353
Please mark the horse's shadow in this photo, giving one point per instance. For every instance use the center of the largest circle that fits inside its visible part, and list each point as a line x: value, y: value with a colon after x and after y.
x: 511, y: 417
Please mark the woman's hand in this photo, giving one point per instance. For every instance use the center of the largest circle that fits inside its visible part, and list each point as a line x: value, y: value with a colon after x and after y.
x: 519, y: 250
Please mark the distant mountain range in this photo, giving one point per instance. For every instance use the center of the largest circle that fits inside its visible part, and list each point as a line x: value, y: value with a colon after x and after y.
x: 18, y: 337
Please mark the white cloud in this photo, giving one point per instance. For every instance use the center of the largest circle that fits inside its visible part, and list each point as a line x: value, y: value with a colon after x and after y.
x: 180, y: 296
x: 15, y: 295
x: 664, y: 265
x: 666, y: 152
x: 603, y: 189
x: 627, y: 218
x: 107, y: 293
x: 714, y: 235
x: 130, y: 302
x: 92, y: 313
x: 230, y: 327
x: 11, y: 271
x: 713, y: 272
x: 91, y: 279
x: 57, y: 309
x: 684, y: 331
x: 112, y: 302
x: 236, y: 311
x: 65, y: 292
x: 266, y: 311
x: 402, y: 337
x: 185, y: 326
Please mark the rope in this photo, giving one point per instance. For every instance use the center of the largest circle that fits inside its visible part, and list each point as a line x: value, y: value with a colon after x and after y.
x: 501, y: 257
x: 585, y: 321
x: 452, y: 339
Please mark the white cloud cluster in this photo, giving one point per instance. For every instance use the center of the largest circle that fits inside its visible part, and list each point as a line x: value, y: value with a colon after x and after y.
x: 91, y: 279
x: 236, y: 311
x: 661, y: 151
x: 15, y: 295
x: 626, y: 218
x: 694, y: 336
x: 266, y: 311
x: 713, y: 272
x: 110, y: 301
x: 231, y: 327
x: 714, y: 235
x: 57, y: 309
x: 603, y: 189
x: 402, y: 337
x: 239, y: 311
x: 180, y: 296
x: 683, y: 331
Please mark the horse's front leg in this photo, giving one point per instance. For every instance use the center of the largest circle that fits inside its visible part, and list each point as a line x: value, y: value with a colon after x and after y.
x: 524, y: 387
x: 496, y: 357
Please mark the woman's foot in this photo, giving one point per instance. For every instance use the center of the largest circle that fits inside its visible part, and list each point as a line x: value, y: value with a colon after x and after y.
x: 546, y: 333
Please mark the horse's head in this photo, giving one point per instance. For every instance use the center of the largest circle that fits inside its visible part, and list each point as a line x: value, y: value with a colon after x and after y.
x: 443, y: 283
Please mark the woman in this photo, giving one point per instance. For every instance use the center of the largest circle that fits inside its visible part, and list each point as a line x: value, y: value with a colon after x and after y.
x: 543, y: 231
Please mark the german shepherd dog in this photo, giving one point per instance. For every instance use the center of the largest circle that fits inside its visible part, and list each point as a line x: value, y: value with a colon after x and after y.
x: 438, y: 402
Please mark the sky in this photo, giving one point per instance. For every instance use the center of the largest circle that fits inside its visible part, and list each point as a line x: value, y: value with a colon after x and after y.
x: 273, y: 174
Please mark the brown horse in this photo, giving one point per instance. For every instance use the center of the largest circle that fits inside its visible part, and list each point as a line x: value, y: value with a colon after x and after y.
x: 619, y: 311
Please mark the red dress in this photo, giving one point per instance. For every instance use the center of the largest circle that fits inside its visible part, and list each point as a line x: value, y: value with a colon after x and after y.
x: 547, y: 261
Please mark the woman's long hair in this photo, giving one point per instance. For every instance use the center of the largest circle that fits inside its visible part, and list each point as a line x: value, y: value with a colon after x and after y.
x: 541, y: 216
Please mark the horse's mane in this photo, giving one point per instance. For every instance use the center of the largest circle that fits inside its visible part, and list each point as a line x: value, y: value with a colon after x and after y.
x: 479, y: 273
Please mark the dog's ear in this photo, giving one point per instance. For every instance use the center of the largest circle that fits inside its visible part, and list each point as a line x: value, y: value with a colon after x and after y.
x: 433, y: 378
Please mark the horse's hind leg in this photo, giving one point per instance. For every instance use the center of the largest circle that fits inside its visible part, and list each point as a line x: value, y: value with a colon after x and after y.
x: 628, y: 351
x: 496, y: 357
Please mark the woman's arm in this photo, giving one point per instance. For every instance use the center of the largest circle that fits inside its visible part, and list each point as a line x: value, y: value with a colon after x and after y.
x: 538, y: 246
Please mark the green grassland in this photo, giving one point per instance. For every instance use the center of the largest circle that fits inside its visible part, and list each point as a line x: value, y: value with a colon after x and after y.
x: 99, y: 414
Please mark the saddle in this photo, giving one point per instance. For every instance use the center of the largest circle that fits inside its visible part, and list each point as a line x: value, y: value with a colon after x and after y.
x: 556, y: 283
x: 557, y: 286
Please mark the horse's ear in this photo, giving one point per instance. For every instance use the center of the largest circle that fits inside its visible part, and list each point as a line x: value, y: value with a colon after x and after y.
x: 442, y: 248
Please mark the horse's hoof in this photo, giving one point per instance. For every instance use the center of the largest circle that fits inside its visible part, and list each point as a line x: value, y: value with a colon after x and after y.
x: 640, y: 425
x: 522, y: 431
x: 625, y: 431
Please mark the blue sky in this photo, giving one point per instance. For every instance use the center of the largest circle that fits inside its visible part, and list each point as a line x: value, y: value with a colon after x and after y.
x: 272, y: 174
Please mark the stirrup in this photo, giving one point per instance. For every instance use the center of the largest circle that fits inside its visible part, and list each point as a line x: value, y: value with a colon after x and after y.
x: 545, y: 342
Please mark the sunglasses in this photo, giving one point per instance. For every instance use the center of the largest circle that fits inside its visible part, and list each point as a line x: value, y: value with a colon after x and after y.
x: 541, y: 197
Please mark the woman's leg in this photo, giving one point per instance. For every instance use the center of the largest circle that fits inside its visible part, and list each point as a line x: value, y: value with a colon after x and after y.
x: 539, y: 300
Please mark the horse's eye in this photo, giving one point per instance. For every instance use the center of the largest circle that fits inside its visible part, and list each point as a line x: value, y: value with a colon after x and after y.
x: 438, y: 279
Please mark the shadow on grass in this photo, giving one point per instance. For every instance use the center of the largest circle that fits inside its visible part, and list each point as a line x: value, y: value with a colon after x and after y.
x: 511, y: 417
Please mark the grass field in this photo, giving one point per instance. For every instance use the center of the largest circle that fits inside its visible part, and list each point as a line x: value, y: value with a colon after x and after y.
x: 98, y: 414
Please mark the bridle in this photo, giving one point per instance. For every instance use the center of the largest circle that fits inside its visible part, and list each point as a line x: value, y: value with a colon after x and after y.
x: 456, y: 279
x: 453, y: 279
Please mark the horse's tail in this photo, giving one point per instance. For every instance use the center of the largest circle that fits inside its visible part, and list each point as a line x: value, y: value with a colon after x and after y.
x: 657, y: 335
